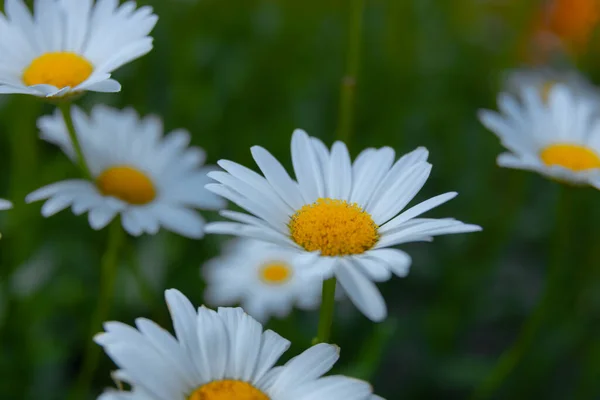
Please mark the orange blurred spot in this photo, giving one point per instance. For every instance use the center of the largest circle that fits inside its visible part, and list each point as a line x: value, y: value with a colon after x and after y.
x: 565, y: 23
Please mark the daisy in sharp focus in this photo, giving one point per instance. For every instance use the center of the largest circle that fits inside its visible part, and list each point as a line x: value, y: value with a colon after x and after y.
x: 222, y: 355
x: 558, y: 137
x: 265, y: 279
x: 343, y: 216
x: 70, y: 46
x: 149, y: 179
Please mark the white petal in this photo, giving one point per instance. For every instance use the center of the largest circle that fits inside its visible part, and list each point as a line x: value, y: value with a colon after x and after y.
x: 363, y: 293
x: 306, y: 167
x: 278, y: 177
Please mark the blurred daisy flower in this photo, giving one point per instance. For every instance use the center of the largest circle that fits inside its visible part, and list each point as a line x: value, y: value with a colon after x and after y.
x: 571, y: 21
x: 150, y: 180
x: 263, y: 278
x: 5, y: 205
x: 341, y: 215
x: 544, y: 79
x: 216, y: 356
x: 70, y: 46
x: 558, y: 137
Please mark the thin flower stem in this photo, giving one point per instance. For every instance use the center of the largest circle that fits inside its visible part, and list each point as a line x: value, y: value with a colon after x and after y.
x: 345, y: 122
x: 65, y: 109
x: 348, y: 85
x: 110, y: 261
x: 327, y: 310
x: 552, y: 286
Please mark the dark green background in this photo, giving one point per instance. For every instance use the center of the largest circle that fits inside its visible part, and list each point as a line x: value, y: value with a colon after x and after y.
x: 240, y: 73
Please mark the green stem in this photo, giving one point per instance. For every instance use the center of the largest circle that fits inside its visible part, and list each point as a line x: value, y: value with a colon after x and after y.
x: 345, y: 122
x: 326, y: 313
x: 65, y: 109
x: 108, y: 272
x: 554, y: 281
x: 348, y: 86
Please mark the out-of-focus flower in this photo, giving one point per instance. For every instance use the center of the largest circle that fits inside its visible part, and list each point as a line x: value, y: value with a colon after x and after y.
x: 221, y: 355
x: 544, y: 79
x: 150, y: 180
x: 342, y: 215
x: 558, y: 137
x: 566, y: 23
x: 263, y: 278
x: 70, y: 46
x: 5, y: 205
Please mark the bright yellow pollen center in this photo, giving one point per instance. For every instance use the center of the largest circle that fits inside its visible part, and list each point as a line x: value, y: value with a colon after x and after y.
x: 127, y: 184
x: 59, y: 69
x: 275, y: 273
x: 570, y: 156
x: 334, y: 227
x: 228, y: 390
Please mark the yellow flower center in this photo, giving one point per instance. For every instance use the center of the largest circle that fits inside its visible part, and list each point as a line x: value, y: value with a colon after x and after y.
x: 126, y: 183
x: 570, y: 156
x: 59, y: 69
x: 227, y: 390
x: 334, y: 227
x: 275, y: 273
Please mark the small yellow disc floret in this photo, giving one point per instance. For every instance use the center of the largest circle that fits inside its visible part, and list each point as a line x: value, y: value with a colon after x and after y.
x: 227, y: 390
x: 571, y: 156
x: 59, y: 69
x: 334, y: 227
x: 126, y: 183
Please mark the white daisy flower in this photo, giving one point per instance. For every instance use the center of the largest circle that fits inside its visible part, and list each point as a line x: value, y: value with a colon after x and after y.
x: 148, y: 179
x: 223, y: 355
x: 544, y: 79
x: 558, y: 138
x: 263, y: 278
x: 341, y: 214
x: 5, y: 204
x: 70, y: 46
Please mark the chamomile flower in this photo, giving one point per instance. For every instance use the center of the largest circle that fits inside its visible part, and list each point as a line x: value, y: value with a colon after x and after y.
x: 222, y: 355
x: 150, y: 180
x: 70, y: 46
x: 544, y: 79
x: 263, y: 278
x: 558, y: 138
x: 343, y: 214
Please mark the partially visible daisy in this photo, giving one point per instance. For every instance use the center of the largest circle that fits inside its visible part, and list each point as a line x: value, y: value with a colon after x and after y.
x: 150, y: 180
x: 221, y: 355
x: 544, y: 79
x: 558, y: 138
x: 5, y: 205
x: 263, y: 278
x: 343, y: 215
x: 70, y: 46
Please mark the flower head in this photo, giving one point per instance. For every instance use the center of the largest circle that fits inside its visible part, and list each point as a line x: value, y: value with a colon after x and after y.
x: 557, y: 136
x: 264, y: 278
x: 344, y: 215
x: 219, y: 355
x: 148, y: 179
x: 70, y: 46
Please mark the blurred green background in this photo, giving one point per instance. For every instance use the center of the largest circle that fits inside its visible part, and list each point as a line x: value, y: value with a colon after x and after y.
x: 246, y: 72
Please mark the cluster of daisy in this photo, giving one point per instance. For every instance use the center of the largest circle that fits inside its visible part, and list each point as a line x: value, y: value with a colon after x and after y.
x: 337, y: 219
